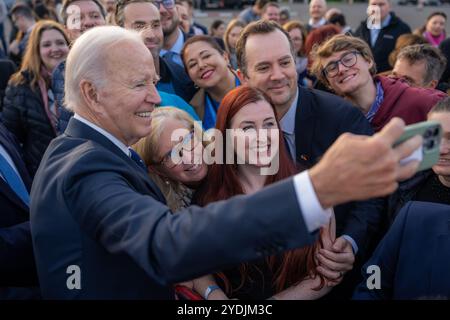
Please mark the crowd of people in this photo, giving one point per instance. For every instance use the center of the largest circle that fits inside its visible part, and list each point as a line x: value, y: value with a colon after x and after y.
x: 144, y: 155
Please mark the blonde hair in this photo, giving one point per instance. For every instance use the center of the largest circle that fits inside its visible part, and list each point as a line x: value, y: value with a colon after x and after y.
x: 231, y: 25
x: 148, y: 149
x: 336, y: 44
x: 32, y: 62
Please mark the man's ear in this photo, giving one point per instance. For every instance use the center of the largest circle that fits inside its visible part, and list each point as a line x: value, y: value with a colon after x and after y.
x: 242, y: 78
x: 89, y: 94
x: 432, y: 84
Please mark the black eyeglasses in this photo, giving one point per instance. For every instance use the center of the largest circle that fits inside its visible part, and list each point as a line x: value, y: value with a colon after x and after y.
x: 175, y: 155
x: 347, y: 60
x: 168, y: 4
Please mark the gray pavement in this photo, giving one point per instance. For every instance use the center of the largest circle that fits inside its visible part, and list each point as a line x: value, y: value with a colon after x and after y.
x: 354, y: 13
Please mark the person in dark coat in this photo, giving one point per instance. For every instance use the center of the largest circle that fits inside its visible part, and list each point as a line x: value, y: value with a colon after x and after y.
x: 382, y: 41
x: 29, y: 110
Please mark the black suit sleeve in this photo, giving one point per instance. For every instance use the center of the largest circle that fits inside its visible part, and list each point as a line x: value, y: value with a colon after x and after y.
x: 385, y: 257
x: 17, y: 266
x: 193, y: 242
x: 362, y: 219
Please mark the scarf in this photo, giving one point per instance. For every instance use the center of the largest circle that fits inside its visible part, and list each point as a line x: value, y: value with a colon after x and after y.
x: 48, y: 99
x: 433, y: 40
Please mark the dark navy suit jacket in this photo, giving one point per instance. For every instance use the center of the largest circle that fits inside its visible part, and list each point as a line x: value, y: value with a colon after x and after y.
x: 414, y: 256
x: 17, y: 266
x: 95, y: 208
x: 320, y: 119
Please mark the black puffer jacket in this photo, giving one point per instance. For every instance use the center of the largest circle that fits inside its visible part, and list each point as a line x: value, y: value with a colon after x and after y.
x: 24, y: 115
x: 385, y: 43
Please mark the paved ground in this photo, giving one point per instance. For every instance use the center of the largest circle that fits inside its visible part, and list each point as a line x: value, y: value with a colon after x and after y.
x: 354, y: 13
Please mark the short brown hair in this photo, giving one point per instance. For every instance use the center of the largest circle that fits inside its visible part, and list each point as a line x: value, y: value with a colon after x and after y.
x: 435, y: 61
x: 339, y: 43
x: 67, y: 3
x: 261, y: 3
x: 120, y: 7
x: 295, y: 24
x: 257, y: 27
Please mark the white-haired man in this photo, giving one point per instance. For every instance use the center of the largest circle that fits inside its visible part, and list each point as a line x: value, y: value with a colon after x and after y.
x: 100, y: 225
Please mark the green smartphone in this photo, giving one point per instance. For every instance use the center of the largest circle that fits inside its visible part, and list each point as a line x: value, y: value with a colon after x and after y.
x: 428, y: 153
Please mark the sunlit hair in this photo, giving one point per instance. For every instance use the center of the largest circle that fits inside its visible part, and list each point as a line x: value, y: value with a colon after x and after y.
x: 407, y: 39
x: 87, y: 59
x: 432, y: 57
x: 148, y: 148
x: 32, y: 61
x: 231, y: 25
x: 336, y: 44
x: 222, y: 182
x: 291, y: 25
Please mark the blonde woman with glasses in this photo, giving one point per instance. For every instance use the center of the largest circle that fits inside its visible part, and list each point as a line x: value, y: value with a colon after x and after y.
x: 173, y: 154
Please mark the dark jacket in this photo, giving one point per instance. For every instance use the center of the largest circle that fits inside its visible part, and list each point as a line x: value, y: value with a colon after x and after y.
x: 407, y: 190
x: 386, y: 40
x: 17, y: 267
x: 24, y: 115
x: 7, y: 69
x: 170, y: 72
x: 93, y: 207
x: 413, y: 258
x: 320, y: 119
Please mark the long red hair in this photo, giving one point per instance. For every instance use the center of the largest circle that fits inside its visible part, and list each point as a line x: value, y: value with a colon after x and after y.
x: 222, y: 182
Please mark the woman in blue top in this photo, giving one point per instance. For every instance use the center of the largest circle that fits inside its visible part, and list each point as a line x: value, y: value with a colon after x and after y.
x: 209, y: 68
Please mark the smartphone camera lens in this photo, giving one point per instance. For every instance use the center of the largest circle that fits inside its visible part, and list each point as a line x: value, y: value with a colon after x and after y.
x: 429, y: 144
x: 427, y: 134
x: 436, y: 132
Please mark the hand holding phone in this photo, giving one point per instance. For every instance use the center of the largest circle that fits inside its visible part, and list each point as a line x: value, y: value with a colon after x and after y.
x: 428, y: 152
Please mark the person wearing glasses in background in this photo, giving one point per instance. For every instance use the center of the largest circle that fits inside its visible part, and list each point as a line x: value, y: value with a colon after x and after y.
x: 347, y: 66
x: 174, y: 37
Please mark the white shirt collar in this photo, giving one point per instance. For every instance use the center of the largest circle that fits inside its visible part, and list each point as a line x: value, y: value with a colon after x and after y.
x: 318, y: 24
x: 287, y: 123
x: 108, y: 135
x: 177, y: 46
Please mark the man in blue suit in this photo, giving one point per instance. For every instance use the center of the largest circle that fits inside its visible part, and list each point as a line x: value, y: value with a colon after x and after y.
x: 100, y: 225
x: 311, y: 121
x: 413, y: 258
x: 17, y: 267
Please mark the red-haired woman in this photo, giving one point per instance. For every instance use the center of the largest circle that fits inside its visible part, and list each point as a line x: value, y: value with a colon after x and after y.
x: 291, y: 275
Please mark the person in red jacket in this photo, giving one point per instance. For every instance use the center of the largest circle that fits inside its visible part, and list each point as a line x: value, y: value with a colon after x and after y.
x: 346, y: 65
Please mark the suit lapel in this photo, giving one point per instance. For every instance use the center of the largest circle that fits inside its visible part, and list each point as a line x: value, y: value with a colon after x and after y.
x: 10, y: 146
x: 305, y: 124
x: 11, y: 195
x: 76, y: 128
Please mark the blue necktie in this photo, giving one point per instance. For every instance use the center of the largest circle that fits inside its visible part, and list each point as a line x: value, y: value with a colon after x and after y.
x: 136, y: 158
x: 13, y: 180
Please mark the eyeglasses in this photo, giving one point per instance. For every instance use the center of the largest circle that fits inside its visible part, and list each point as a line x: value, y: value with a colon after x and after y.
x: 168, y: 4
x: 347, y: 60
x: 174, y: 157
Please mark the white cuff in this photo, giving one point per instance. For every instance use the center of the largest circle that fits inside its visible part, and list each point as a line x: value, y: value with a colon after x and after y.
x: 314, y: 215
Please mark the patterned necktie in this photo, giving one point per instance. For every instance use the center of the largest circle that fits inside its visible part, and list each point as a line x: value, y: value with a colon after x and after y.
x: 14, y: 181
x: 136, y: 158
